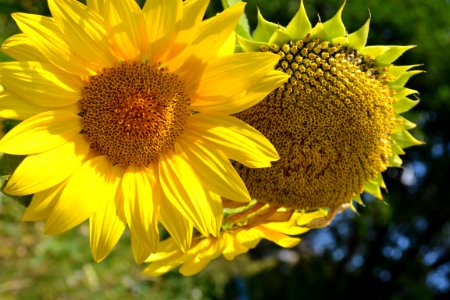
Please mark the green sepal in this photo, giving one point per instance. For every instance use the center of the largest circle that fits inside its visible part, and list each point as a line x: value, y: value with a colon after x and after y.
x: 243, y: 28
x: 264, y: 30
x: 396, y: 149
x: 405, y: 139
x: 315, y: 31
x: 403, y: 124
x: 404, y: 104
x: 372, y: 187
x: 403, y: 78
x: 358, y: 39
x: 392, y: 54
x: 341, y: 40
x: 395, y: 72
x: 395, y: 161
x: 374, y: 51
x: 401, y: 91
x: 334, y: 27
x: 248, y: 45
x: 279, y: 37
x: 300, y: 25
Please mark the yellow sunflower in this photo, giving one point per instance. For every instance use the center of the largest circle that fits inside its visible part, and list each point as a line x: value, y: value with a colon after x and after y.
x: 245, y: 225
x: 127, y: 118
x: 336, y: 122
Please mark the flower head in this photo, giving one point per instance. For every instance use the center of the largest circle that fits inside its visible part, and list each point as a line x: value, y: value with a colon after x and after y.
x: 127, y: 118
x: 336, y: 122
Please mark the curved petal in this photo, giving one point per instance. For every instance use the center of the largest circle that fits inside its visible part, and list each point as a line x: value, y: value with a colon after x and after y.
x: 85, y: 30
x: 41, y: 132
x: 106, y: 227
x: 179, y: 228
x: 94, y: 183
x: 47, y: 38
x: 236, y: 139
x: 142, y: 204
x: 126, y: 28
x: 214, y: 169
x: 193, y: 12
x: 21, y: 47
x: 183, y: 189
x: 42, y: 203
x: 15, y: 107
x: 38, y: 83
x: 162, y: 18
x: 41, y: 171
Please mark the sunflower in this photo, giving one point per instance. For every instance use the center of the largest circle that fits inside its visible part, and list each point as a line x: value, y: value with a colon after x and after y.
x: 245, y: 225
x: 126, y: 118
x: 336, y: 122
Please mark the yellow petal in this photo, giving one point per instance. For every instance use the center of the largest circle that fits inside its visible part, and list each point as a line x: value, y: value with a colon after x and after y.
x: 126, y: 28
x: 214, y: 170
x: 107, y: 226
x: 39, y: 84
x: 15, y: 107
x: 229, y: 76
x: 193, y: 12
x: 84, y: 30
x: 141, y: 204
x: 161, y: 18
x: 42, y: 203
x: 94, y: 183
x: 40, y: 133
x: 21, y: 47
x: 140, y: 250
x: 236, y: 139
x: 278, y: 237
x: 207, y: 250
x: 50, y: 42
x: 179, y: 228
x: 183, y: 189
x: 41, y: 171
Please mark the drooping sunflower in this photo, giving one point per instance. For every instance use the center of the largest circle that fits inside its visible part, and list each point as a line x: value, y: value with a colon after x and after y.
x: 245, y: 225
x: 127, y: 118
x: 336, y: 122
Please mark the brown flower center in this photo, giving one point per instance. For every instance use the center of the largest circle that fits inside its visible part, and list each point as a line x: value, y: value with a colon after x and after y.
x: 134, y: 112
x: 331, y: 124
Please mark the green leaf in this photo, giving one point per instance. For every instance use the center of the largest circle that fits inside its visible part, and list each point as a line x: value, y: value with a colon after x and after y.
x: 243, y: 28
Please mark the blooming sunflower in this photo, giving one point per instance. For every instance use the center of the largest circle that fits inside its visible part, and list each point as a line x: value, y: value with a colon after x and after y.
x: 127, y: 118
x: 336, y: 122
x: 245, y: 225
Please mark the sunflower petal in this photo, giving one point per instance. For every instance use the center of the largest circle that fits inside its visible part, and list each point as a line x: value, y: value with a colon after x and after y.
x: 88, y: 36
x: 33, y: 174
x: 42, y: 203
x: 183, y: 189
x: 39, y: 84
x: 236, y: 139
x: 40, y: 133
x: 20, y: 47
x: 106, y: 226
x: 214, y: 170
x: 141, y: 204
x: 99, y: 180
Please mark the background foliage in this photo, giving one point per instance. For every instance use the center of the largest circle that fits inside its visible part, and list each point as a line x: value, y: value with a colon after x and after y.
x: 399, y: 249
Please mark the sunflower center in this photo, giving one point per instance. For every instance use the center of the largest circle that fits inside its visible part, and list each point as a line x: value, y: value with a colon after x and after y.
x: 134, y: 112
x: 331, y: 124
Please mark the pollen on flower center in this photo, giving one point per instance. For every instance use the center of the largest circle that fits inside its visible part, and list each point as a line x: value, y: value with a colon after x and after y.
x: 134, y: 112
x: 331, y: 124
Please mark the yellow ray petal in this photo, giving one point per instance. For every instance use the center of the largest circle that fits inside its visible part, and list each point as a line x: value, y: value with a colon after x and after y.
x: 107, y: 225
x: 207, y: 250
x: 126, y: 28
x: 39, y: 84
x: 141, y: 204
x: 20, y: 47
x: 236, y: 139
x: 42, y: 204
x: 34, y: 173
x: 15, y: 107
x: 214, y: 170
x: 140, y: 250
x: 179, y: 228
x: 229, y: 75
x: 48, y: 39
x: 40, y: 133
x: 84, y: 30
x: 183, y: 189
x: 161, y: 18
x: 193, y: 12
x: 278, y: 238
x: 98, y: 179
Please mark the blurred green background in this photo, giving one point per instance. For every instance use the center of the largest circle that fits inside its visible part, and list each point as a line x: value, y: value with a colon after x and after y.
x: 394, y: 250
